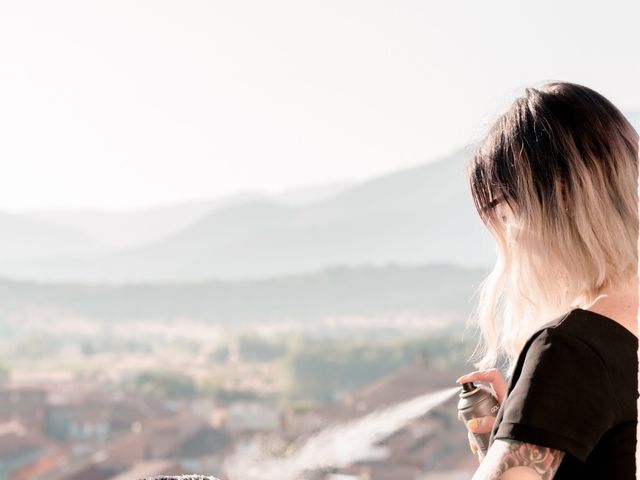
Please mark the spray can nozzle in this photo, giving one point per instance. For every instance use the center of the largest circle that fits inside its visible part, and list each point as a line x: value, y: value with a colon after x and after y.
x: 468, y: 387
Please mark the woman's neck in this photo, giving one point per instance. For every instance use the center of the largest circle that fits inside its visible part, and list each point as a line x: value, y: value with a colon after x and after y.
x: 621, y: 305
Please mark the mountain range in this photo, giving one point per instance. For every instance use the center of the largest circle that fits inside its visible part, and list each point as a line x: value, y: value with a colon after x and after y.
x: 414, y: 216
x: 438, y: 290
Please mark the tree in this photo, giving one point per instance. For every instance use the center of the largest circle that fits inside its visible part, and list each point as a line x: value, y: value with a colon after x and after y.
x: 167, y: 384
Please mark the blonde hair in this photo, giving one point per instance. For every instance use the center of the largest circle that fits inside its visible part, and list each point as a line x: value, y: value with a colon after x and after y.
x: 564, y: 160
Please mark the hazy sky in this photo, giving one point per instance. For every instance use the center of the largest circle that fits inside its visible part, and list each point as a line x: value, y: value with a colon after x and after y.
x: 119, y: 104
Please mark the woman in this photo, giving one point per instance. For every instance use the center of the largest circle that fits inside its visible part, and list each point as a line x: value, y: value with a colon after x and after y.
x: 556, y: 184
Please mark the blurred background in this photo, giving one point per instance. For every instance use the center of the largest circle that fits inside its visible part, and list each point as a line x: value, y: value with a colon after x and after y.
x: 226, y: 225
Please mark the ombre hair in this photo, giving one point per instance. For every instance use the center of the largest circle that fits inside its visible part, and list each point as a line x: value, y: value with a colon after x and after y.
x: 563, y: 160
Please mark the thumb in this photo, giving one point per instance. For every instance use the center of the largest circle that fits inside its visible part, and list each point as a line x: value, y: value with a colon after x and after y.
x: 481, y: 424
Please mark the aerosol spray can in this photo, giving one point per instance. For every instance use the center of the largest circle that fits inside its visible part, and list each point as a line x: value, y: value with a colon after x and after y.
x: 477, y: 401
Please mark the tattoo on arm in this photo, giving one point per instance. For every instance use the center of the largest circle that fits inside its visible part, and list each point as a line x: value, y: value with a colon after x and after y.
x: 543, y: 461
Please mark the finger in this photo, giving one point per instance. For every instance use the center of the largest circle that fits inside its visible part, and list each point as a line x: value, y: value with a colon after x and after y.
x: 472, y: 443
x: 492, y: 376
x: 481, y: 424
x: 480, y: 457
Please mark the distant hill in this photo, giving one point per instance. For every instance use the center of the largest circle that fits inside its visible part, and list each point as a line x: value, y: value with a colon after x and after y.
x: 431, y: 289
x: 122, y: 229
x: 415, y: 216
x: 24, y: 238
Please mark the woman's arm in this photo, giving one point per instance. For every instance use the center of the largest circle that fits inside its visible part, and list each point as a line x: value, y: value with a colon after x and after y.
x: 515, y: 460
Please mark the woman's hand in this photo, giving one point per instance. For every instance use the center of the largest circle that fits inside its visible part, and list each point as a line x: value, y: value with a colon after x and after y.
x: 493, y: 377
